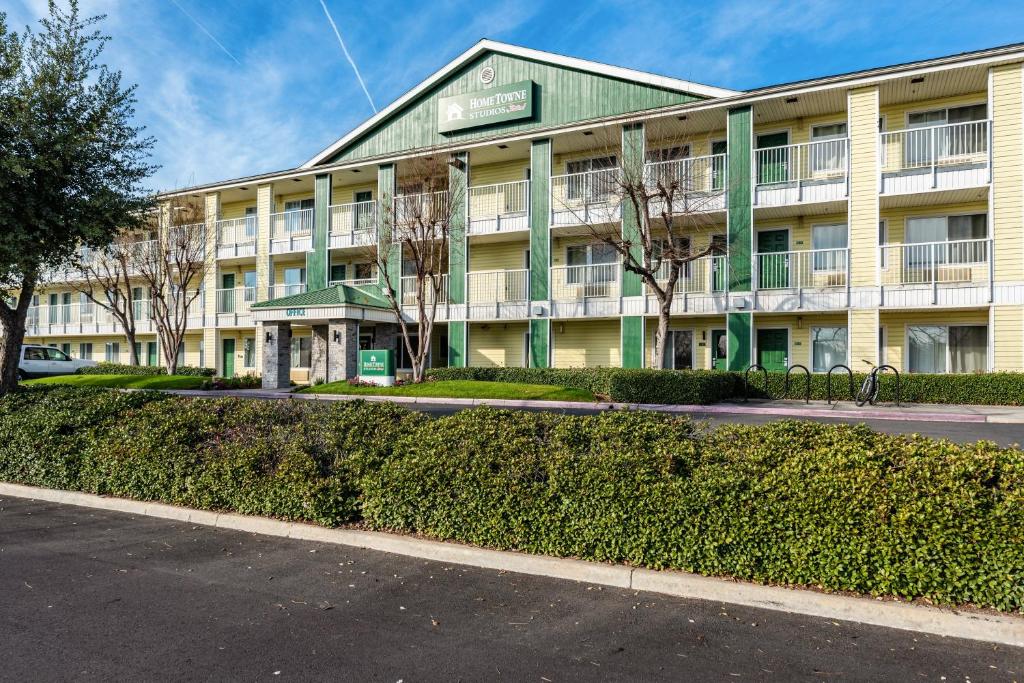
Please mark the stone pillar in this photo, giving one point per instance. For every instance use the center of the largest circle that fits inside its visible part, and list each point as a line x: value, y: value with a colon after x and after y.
x: 319, y: 356
x: 343, y: 350
x: 276, y: 338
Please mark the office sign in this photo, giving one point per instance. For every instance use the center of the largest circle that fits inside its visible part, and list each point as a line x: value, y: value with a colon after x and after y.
x: 294, y: 312
x: 377, y: 367
x: 499, y: 104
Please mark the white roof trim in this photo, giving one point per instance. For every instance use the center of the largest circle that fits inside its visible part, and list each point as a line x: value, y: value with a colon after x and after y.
x: 526, y: 53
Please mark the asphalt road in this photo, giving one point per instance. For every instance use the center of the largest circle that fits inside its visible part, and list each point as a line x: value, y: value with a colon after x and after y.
x: 962, y: 432
x: 97, y: 595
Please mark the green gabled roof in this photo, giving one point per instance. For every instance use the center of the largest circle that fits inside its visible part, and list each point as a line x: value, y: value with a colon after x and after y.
x: 339, y: 295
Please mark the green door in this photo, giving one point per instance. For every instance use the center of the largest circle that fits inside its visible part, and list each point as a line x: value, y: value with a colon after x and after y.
x: 718, y: 147
x: 719, y: 350
x: 227, y: 303
x: 151, y: 353
x: 773, y: 268
x: 773, y: 162
x: 228, y: 360
x: 773, y: 350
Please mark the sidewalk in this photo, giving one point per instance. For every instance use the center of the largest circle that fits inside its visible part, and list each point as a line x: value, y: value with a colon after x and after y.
x: 917, y: 412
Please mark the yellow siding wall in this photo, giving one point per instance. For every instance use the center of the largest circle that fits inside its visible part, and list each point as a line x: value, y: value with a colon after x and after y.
x: 210, y: 276
x: 895, y: 115
x: 1007, y: 172
x: 279, y: 200
x: 1007, y: 338
x: 863, y: 338
x: 236, y: 209
x: 502, y: 172
x: 863, y: 202
x: 346, y: 194
x: 895, y: 325
x: 585, y: 343
x: 498, y: 255
x: 500, y: 344
x: 265, y: 201
x: 799, y: 129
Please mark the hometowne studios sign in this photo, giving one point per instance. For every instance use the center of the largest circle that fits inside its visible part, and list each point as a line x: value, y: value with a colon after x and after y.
x: 481, y: 108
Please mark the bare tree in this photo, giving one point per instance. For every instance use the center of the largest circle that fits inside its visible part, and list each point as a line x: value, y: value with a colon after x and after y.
x: 416, y: 230
x: 171, y: 267
x: 103, y: 276
x: 664, y: 197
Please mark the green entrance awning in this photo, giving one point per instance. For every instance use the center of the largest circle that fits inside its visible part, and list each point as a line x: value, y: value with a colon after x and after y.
x: 368, y: 296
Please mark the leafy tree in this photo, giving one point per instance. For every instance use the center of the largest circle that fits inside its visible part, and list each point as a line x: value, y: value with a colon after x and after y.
x: 72, y: 161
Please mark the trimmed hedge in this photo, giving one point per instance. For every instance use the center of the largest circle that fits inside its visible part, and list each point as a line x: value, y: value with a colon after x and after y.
x: 835, y: 506
x: 707, y: 386
x: 105, y: 368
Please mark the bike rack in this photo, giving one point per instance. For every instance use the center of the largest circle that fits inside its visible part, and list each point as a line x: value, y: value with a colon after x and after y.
x: 853, y: 389
x: 785, y: 390
x: 896, y: 372
x: 746, y: 380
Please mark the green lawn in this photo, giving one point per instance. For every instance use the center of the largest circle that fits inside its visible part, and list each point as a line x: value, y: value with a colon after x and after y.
x: 124, y: 381
x: 461, y: 388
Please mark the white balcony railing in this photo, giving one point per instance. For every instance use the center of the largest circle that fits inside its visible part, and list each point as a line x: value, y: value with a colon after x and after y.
x: 805, y: 172
x: 291, y: 231
x: 278, y: 291
x: 499, y: 208
x: 584, y: 282
x: 585, y: 198
x: 497, y: 286
x: 695, y: 183
x: 355, y: 282
x: 950, y: 156
x: 425, y: 206
x: 236, y: 237
x: 705, y: 275
x: 409, y: 294
x: 933, y: 263
x: 808, y: 269
x: 79, y: 317
x: 235, y: 300
x: 353, y: 225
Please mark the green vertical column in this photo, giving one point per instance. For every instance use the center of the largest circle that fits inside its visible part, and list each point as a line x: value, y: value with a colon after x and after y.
x: 540, y: 250
x: 741, y: 232
x: 318, y: 257
x: 739, y: 327
x: 741, y: 208
x: 632, y: 326
x: 458, y: 254
x: 387, y: 179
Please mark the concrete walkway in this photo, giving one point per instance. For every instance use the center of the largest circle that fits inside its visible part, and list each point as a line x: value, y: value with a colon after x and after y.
x: 911, y: 412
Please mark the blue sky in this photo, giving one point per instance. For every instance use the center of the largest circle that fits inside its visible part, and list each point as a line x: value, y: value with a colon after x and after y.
x: 271, y: 87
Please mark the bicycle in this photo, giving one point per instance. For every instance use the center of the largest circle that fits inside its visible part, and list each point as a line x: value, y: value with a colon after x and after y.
x: 869, y: 389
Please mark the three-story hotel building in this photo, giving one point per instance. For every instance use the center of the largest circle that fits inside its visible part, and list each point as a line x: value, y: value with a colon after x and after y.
x: 872, y: 216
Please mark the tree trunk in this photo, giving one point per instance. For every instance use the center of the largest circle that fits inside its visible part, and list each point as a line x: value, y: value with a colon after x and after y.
x: 133, y: 350
x: 14, y: 334
x: 660, y: 338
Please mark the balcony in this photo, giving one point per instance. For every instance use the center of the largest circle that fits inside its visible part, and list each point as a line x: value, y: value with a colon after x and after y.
x: 575, y: 283
x: 408, y: 293
x: 81, y: 318
x: 353, y: 225
x: 355, y: 282
x: 278, y: 291
x: 697, y: 184
x: 788, y: 280
x: 948, y: 157
x: 588, y: 198
x: 497, y: 294
x: 705, y: 275
x: 426, y: 207
x: 236, y: 237
x: 939, y: 273
x: 291, y: 231
x: 803, y: 173
x: 498, y: 208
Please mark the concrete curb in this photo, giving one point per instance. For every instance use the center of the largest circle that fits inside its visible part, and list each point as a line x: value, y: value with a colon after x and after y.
x: 1007, y: 630
x: 713, y: 409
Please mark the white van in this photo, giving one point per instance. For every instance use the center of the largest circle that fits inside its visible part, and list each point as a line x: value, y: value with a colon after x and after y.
x: 44, y: 361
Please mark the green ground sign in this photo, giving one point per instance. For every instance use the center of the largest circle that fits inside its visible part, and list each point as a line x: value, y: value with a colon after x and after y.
x: 377, y: 367
x: 481, y: 108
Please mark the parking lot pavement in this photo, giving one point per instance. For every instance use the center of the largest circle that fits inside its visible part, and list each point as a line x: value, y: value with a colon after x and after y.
x: 100, y: 595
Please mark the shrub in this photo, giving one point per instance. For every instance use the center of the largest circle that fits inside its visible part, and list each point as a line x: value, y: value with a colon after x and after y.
x: 239, y: 382
x: 122, y: 369
x: 834, y: 506
x: 194, y: 371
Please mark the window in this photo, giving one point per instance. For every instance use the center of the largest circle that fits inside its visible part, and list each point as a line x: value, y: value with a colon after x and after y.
x: 337, y: 272
x: 250, y: 222
x: 883, y: 239
x: 364, y: 271
x: 66, y: 350
x: 294, y: 281
x: 364, y: 210
x: 830, y: 155
x: 679, y: 349
x: 85, y: 308
x: 404, y: 362
x: 299, y: 218
x: 948, y: 141
x: 112, y: 352
x: 249, y: 352
x: 601, y: 255
x: 181, y: 354
x: 828, y: 348
x: 590, y: 186
x: 301, y: 351
x: 946, y: 239
x: 826, y: 241
x: 35, y: 353
x: 85, y: 351
x: 940, y: 349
